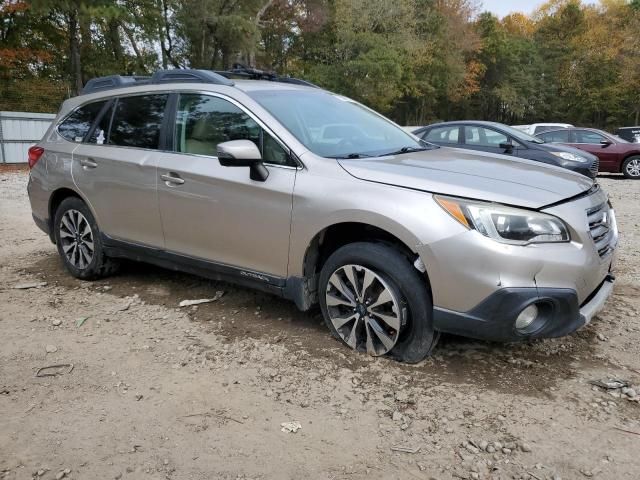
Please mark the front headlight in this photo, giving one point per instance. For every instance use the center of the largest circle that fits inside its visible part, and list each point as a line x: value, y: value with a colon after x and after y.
x: 514, y: 226
x: 572, y: 157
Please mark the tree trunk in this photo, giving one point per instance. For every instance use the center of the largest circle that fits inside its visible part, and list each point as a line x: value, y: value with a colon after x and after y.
x: 252, y: 52
x: 74, y: 51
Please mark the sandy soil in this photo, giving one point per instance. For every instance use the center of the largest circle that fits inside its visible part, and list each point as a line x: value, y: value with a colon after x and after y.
x: 158, y: 391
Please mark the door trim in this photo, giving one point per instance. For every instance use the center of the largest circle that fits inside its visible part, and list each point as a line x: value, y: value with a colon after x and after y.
x: 197, y: 266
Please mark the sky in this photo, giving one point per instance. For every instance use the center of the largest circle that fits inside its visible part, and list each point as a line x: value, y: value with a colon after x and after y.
x: 505, y: 7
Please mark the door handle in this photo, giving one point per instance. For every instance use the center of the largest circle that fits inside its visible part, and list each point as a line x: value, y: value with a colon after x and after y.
x: 88, y: 163
x: 172, y: 178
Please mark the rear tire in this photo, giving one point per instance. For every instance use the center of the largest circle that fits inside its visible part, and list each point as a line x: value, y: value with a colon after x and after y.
x: 631, y: 167
x: 79, y: 242
x: 387, y: 312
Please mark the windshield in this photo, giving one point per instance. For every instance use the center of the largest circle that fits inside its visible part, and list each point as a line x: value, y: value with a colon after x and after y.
x: 333, y: 126
x: 519, y: 134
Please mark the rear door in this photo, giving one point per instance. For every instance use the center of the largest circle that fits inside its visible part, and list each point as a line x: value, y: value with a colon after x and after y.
x: 115, y: 168
x: 217, y: 213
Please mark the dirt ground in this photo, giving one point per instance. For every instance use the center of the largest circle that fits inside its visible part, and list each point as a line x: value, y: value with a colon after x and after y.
x: 158, y: 391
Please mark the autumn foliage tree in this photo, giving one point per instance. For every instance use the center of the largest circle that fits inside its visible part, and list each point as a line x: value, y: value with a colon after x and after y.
x: 415, y: 60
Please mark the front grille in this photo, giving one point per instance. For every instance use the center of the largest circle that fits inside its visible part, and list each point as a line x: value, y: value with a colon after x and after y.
x: 594, y: 167
x: 600, y: 227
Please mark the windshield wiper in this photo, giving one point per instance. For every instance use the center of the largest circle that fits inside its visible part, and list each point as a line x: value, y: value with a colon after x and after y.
x: 406, y: 150
x: 353, y: 155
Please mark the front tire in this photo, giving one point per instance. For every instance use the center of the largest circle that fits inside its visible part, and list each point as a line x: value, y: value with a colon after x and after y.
x: 79, y: 242
x: 631, y: 167
x: 375, y: 301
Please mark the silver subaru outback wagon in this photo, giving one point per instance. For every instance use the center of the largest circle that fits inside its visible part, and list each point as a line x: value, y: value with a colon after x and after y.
x: 314, y: 197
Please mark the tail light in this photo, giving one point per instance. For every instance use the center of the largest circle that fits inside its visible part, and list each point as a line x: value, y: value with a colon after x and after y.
x: 35, y: 153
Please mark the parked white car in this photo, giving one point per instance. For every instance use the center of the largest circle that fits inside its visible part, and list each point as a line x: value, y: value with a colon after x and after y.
x: 536, y: 128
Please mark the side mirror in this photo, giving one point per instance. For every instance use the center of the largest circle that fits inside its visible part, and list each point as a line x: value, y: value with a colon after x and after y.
x: 243, y: 153
x: 606, y: 143
x: 507, y: 146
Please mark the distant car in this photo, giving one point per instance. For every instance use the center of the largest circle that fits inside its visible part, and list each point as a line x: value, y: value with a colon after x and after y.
x: 630, y: 134
x: 615, y: 153
x: 536, y: 128
x: 503, y: 139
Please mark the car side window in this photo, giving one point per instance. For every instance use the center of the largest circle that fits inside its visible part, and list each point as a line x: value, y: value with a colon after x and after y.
x: 483, y: 137
x: 559, y: 136
x: 585, y: 136
x: 101, y: 131
x: 76, y: 126
x: 204, y: 121
x: 442, y: 134
x: 137, y: 121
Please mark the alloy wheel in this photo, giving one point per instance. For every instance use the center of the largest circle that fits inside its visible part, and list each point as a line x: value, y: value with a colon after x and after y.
x: 76, y: 238
x: 363, y: 309
x: 633, y: 168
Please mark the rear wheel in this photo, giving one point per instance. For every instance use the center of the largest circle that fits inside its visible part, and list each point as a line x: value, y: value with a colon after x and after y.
x: 375, y: 301
x: 79, y: 243
x: 631, y: 167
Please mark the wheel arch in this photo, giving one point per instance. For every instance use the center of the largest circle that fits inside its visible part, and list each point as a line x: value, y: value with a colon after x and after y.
x: 55, y: 199
x: 627, y: 157
x: 329, y: 239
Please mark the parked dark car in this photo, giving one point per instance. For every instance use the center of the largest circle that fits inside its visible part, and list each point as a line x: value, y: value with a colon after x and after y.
x: 630, y: 134
x: 615, y: 154
x: 499, y: 138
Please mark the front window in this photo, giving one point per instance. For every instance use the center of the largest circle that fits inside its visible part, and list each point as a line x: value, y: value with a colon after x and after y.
x: 483, y: 137
x: 585, y: 136
x: 204, y: 121
x: 333, y: 126
x: 519, y: 134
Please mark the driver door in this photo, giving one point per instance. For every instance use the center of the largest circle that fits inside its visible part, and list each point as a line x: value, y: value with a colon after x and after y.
x: 217, y: 213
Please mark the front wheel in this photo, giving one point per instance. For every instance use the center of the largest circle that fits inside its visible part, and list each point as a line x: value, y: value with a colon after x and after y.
x: 631, y: 167
x: 375, y: 301
x: 79, y: 243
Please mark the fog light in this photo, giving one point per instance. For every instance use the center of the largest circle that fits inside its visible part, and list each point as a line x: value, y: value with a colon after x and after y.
x: 527, y: 317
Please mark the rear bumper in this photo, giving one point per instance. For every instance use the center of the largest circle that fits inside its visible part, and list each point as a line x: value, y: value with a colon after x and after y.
x: 494, y: 318
x: 42, y: 224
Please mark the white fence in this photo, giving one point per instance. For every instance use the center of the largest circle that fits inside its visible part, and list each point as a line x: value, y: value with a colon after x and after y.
x: 20, y: 130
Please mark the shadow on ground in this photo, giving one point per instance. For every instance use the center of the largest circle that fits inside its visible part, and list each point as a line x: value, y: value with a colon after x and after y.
x: 525, y: 368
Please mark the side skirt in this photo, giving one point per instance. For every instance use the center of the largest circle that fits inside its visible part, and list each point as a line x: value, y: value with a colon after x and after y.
x: 196, y: 266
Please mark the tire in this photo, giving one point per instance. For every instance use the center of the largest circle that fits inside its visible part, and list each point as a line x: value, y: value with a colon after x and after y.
x: 388, y: 274
x: 74, y: 244
x: 631, y: 167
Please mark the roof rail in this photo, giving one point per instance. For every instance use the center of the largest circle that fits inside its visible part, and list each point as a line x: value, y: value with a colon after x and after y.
x: 188, y: 75
x: 112, y: 81
x: 161, y: 76
x: 180, y: 75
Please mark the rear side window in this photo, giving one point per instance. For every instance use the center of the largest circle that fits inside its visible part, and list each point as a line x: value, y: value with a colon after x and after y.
x: 76, y: 126
x: 137, y: 121
x: 560, y: 136
x: 442, y: 135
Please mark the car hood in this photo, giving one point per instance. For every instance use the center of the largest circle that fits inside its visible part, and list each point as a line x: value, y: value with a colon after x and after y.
x: 475, y: 175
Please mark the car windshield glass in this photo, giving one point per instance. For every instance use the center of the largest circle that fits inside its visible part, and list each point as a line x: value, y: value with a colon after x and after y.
x: 520, y: 135
x: 336, y: 127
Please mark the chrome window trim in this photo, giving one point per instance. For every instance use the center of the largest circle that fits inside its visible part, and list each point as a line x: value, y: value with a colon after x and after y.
x: 299, y: 165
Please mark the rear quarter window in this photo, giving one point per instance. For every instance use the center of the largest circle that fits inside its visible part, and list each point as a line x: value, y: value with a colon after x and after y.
x: 77, y: 125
